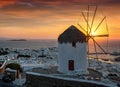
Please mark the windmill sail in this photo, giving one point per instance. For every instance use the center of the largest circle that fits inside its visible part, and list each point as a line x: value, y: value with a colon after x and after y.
x: 90, y: 25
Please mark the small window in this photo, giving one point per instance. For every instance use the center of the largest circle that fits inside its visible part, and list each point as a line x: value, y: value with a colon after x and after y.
x: 73, y: 44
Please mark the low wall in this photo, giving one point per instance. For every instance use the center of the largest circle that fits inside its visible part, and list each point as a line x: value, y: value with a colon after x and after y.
x: 11, y: 73
x: 42, y: 80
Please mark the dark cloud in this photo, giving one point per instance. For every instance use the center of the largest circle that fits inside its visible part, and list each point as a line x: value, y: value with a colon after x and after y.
x: 51, y: 4
x: 16, y: 6
x: 53, y: 8
x: 114, y: 1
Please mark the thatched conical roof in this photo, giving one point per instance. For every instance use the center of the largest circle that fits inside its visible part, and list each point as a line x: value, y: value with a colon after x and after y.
x: 72, y: 34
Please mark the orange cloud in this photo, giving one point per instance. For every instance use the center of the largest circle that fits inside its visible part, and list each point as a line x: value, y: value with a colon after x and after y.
x: 7, y: 2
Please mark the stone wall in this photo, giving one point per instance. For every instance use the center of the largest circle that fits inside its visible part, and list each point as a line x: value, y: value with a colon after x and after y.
x: 11, y: 73
x: 33, y: 80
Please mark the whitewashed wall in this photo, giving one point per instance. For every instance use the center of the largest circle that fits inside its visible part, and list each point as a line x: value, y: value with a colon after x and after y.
x: 78, y: 54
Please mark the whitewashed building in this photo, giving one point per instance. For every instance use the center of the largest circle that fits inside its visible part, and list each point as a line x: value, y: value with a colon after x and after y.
x: 72, y: 52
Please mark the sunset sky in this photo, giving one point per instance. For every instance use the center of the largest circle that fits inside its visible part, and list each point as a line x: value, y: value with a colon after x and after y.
x: 46, y: 19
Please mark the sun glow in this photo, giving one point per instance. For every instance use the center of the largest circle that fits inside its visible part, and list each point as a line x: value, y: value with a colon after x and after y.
x: 92, y: 33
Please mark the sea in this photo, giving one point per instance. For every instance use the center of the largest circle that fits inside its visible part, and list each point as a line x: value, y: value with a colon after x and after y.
x: 112, y: 46
x: 28, y: 44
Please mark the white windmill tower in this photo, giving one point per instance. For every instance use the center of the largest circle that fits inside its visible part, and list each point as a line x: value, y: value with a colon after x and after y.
x: 91, y: 23
x: 72, y: 43
x: 72, y: 52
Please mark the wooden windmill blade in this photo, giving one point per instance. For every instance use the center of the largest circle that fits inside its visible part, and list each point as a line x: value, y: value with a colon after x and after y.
x: 88, y: 26
x: 82, y: 28
x: 95, y: 48
x: 103, y: 35
x: 99, y: 24
x: 93, y: 18
x: 99, y: 46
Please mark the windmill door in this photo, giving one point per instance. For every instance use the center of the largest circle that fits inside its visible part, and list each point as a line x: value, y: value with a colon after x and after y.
x: 71, y: 65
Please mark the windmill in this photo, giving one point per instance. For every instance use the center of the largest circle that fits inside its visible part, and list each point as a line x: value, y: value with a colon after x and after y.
x: 92, y: 25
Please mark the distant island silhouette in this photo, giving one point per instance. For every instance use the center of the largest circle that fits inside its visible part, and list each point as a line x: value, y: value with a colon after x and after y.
x: 17, y: 40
